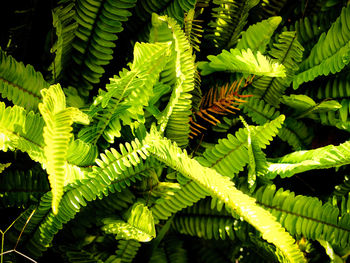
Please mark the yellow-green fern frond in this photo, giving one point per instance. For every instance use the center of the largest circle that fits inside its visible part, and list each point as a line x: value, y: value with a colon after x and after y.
x: 57, y: 135
x: 224, y: 189
x: 139, y: 226
x: 244, y: 61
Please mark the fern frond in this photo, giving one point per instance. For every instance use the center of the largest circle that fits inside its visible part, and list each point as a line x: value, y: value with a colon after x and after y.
x: 288, y: 52
x: 95, y: 39
x: 193, y: 30
x: 230, y: 18
x: 140, y: 24
x: 207, y: 227
x: 331, y: 53
x: 174, y: 120
x: 188, y: 194
x: 21, y: 130
x: 65, y: 25
x: 115, y: 172
x: 19, y: 83
x: 257, y: 164
x: 222, y: 188
x: 81, y: 153
x: 244, y: 61
x: 303, y: 215
x: 218, y: 101
x: 127, y: 94
x: 337, y: 87
x: 127, y: 250
x: 57, y: 134
x: 20, y: 188
x: 139, y: 225
x: 301, y: 161
x: 230, y: 155
x: 294, y: 132
x: 305, y: 106
x: 257, y: 36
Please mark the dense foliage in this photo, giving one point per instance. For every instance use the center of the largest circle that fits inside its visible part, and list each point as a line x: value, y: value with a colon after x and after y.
x: 175, y: 131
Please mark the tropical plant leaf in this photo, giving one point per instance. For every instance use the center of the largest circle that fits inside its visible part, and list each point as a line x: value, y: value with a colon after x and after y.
x: 57, y: 135
x: 244, y: 61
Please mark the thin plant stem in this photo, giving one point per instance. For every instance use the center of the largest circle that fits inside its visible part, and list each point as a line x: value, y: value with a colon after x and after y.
x: 19, y: 237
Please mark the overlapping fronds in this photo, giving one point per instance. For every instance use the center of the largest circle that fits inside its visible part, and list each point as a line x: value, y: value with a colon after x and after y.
x: 306, y: 216
x: 224, y: 189
x: 143, y: 13
x: 293, y: 131
x: 217, y: 102
x: 310, y: 28
x: 20, y: 188
x: 57, y: 135
x: 301, y: 161
x: 331, y: 53
x: 337, y: 88
x: 114, y: 172
x: 19, y: 83
x: 127, y: 94
x: 65, y: 24
x: 87, y: 153
x: 304, y: 106
x: 244, y: 61
x: 258, y: 36
x: 230, y: 155
x: 21, y: 130
x: 288, y: 52
x: 229, y: 19
x: 139, y: 225
x: 174, y: 120
x: 99, y: 22
x: 189, y: 194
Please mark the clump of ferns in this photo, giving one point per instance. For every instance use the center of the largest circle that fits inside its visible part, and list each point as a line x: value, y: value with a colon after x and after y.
x: 216, y: 103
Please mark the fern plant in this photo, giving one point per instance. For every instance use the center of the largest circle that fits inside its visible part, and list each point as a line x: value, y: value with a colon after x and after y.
x: 110, y: 152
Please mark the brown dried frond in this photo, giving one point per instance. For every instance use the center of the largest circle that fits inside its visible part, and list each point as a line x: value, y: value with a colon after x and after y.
x: 219, y: 101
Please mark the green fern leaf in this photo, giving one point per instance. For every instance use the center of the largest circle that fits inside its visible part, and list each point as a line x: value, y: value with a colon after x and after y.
x: 331, y: 53
x: 230, y: 155
x: 174, y: 120
x: 288, y: 52
x: 293, y: 131
x: 222, y: 188
x: 99, y: 22
x: 230, y: 18
x: 303, y: 215
x: 20, y: 84
x: 140, y: 225
x: 258, y: 35
x: 127, y: 94
x: 301, y: 161
x: 65, y: 25
x: 244, y: 61
x: 57, y: 134
x: 21, y: 130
